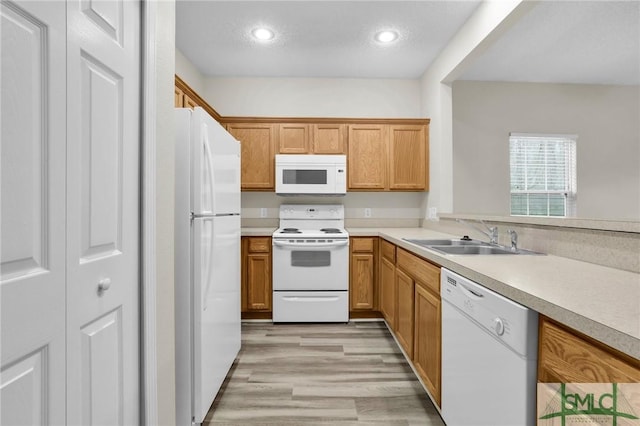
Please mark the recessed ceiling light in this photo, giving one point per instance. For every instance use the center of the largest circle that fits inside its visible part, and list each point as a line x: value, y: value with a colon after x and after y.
x: 263, y: 34
x: 386, y: 36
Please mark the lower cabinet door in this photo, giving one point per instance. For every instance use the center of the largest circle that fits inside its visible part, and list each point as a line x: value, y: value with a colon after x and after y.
x: 259, y: 282
x: 404, y: 324
x: 388, y: 292
x: 361, y: 291
x: 427, y: 341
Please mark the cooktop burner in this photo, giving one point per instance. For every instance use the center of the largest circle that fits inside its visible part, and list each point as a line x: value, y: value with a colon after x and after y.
x: 331, y: 230
x: 291, y: 231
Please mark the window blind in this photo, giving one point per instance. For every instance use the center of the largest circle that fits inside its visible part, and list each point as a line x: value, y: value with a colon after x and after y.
x: 543, y: 174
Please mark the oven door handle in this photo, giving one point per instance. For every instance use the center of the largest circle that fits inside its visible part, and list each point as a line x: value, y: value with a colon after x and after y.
x: 304, y: 299
x: 310, y: 245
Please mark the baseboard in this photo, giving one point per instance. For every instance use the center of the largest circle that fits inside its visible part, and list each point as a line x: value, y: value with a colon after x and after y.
x: 364, y: 314
x: 257, y: 315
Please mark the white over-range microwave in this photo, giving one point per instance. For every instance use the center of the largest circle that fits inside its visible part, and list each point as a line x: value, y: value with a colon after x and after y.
x: 300, y: 174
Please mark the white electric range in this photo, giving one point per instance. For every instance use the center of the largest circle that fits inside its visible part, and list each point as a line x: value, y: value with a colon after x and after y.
x: 311, y: 264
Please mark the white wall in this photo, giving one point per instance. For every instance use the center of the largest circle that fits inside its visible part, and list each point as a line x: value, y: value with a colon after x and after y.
x: 318, y: 97
x: 314, y: 97
x: 165, y: 139
x: 483, y: 27
x: 189, y: 73
x: 605, y: 118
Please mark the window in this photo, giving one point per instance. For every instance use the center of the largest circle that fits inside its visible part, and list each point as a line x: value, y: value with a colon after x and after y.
x: 543, y: 174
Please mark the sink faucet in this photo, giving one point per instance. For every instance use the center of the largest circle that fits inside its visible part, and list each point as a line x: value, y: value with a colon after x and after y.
x: 491, y: 231
x: 514, y: 239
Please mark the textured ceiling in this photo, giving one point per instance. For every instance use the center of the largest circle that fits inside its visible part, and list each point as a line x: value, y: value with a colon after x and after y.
x: 592, y: 42
x: 316, y: 38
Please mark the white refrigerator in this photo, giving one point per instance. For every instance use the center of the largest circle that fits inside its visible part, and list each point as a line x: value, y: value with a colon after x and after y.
x: 207, y: 254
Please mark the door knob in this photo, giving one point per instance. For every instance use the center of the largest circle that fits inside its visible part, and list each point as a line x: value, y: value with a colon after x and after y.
x: 104, y: 285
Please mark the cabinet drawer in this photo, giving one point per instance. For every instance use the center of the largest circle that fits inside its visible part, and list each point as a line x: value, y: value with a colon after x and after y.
x: 420, y: 270
x: 259, y: 244
x: 364, y: 245
x: 388, y: 251
x: 567, y: 357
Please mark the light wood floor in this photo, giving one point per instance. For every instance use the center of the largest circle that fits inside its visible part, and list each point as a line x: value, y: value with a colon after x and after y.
x: 336, y: 374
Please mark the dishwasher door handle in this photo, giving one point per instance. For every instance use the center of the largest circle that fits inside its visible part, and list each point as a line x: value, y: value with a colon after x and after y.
x: 469, y: 293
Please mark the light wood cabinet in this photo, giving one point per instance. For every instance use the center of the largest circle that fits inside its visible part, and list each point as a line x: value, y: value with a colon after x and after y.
x: 566, y: 356
x: 294, y: 139
x: 367, y: 157
x: 388, y: 282
x: 419, y: 316
x: 329, y: 139
x: 405, y: 299
x: 388, y: 157
x: 306, y: 138
x: 382, y: 154
x: 178, y: 96
x: 257, y: 154
x: 187, y: 102
x: 419, y: 269
x: 186, y: 97
x: 362, y: 278
x: 182, y: 100
x: 427, y: 337
x: 256, y: 274
x: 410, y: 302
x: 408, y: 158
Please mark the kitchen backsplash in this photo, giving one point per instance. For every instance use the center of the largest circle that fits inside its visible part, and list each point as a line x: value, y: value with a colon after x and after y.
x: 362, y: 209
x: 617, y: 246
x: 612, y: 244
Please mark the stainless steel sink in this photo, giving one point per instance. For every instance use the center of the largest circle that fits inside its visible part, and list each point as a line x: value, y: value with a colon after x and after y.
x: 444, y: 242
x: 472, y: 247
x: 479, y: 249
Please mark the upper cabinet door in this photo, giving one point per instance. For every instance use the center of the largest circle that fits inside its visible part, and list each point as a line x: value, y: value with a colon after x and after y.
x: 329, y: 138
x: 294, y: 139
x: 367, y: 157
x: 408, y: 157
x: 178, y: 97
x: 257, y: 143
x: 187, y: 102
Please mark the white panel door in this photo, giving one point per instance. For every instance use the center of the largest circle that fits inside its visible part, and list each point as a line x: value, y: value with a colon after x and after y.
x: 32, y: 198
x: 103, y: 69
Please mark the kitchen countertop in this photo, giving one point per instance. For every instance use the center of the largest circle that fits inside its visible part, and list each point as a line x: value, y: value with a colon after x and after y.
x: 599, y: 301
x: 257, y: 232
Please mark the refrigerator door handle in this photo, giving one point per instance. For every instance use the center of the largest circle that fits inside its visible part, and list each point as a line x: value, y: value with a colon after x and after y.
x: 192, y: 215
x: 209, y: 159
x: 209, y: 269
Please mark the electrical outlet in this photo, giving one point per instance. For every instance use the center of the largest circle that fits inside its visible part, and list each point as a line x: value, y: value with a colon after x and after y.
x: 367, y: 212
x: 432, y: 213
x: 263, y: 212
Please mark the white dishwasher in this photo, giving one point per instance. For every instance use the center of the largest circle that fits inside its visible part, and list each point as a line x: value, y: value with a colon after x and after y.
x: 489, y: 354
